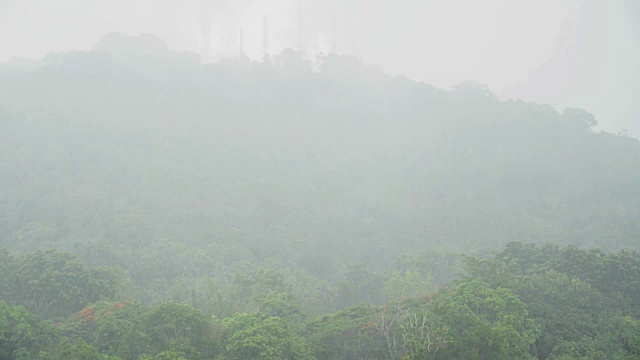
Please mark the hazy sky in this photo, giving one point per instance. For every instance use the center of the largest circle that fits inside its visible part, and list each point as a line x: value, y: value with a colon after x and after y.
x: 443, y: 42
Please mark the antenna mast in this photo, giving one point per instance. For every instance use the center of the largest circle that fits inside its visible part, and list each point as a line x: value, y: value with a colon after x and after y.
x: 241, y: 42
x: 266, y: 56
x: 300, y: 45
x: 205, y: 32
x: 333, y: 28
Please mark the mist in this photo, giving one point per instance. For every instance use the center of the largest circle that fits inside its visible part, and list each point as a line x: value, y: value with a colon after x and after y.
x: 543, y: 51
x: 319, y: 180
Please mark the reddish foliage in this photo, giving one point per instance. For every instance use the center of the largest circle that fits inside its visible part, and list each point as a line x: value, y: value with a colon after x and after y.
x: 86, y: 313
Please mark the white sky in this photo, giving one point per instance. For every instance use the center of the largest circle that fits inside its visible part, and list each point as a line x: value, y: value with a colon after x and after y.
x: 442, y: 42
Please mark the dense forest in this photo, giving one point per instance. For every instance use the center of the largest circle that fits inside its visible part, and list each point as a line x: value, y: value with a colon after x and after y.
x: 153, y: 207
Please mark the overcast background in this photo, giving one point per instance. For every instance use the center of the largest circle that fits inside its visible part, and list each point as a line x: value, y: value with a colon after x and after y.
x: 583, y: 53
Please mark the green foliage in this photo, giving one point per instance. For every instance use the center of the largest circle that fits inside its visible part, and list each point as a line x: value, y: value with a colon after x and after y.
x: 260, y: 336
x: 423, y: 336
x: 78, y: 349
x: 6, y: 268
x: 358, y: 284
x: 487, y: 323
x: 178, y: 328
x: 520, y: 303
x: 628, y: 330
x: 344, y: 334
x: 215, y: 189
x: 576, y: 296
x: 258, y: 283
x: 22, y: 335
x: 170, y: 355
x: 442, y: 266
x: 113, y: 328
x: 119, y: 331
x: 580, y: 117
x: 408, y: 285
x: 282, y: 305
x: 55, y: 284
x: 126, y: 330
x: 351, y: 165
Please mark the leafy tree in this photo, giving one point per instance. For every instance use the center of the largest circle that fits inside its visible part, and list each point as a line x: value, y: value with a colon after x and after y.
x: 78, y: 349
x: 260, y: 336
x: 23, y: 335
x: 169, y: 355
x: 486, y: 323
x: 423, y: 336
x: 6, y: 267
x: 113, y: 328
x: 580, y: 116
x: 442, y: 267
x: 410, y: 284
x: 179, y: 328
x: 119, y: 330
x: 56, y: 284
x: 574, y: 295
x: 347, y: 334
x: 358, y: 284
x: 282, y: 305
x: 628, y: 330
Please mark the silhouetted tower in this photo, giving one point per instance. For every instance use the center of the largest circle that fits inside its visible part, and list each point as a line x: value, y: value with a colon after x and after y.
x: 241, y: 39
x: 266, y: 56
x: 300, y: 42
x: 333, y: 27
x: 205, y: 32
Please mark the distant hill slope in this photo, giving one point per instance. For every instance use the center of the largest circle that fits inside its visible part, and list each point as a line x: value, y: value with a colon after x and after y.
x: 597, y: 65
x: 127, y: 149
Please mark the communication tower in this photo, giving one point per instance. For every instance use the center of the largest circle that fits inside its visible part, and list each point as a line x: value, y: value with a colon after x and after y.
x: 333, y: 27
x: 266, y: 56
x: 300, y: 41
x: 205, y: 33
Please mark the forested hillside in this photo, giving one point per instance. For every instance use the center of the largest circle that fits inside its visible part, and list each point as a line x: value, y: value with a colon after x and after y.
x: 154, y: 207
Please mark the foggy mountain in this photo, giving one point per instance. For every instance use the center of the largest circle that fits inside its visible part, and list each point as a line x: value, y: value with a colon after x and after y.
x: 541, y: 45
x: 220, y: 180
x: 597, y: 65
x: 133, y: 132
